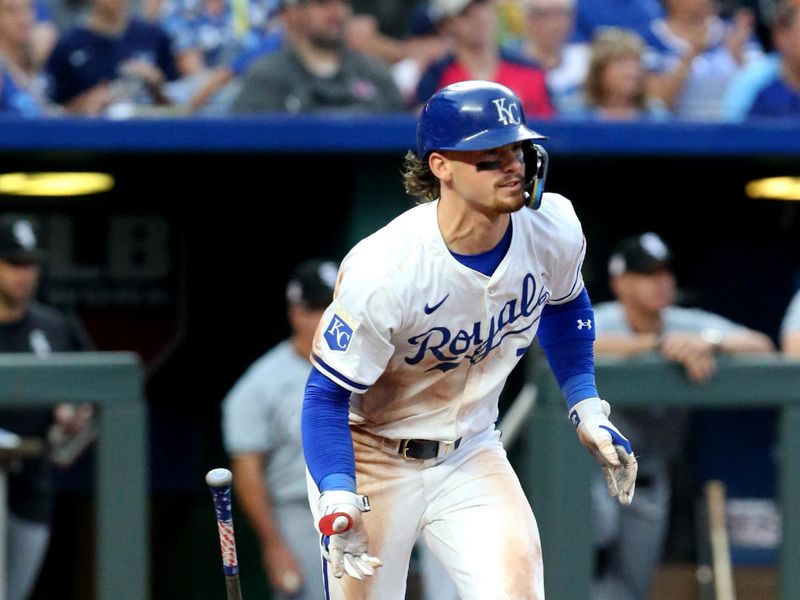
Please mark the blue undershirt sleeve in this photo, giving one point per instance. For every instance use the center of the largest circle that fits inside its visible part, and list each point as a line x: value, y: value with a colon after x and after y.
x: 327, y: 442
x: 566, y: 334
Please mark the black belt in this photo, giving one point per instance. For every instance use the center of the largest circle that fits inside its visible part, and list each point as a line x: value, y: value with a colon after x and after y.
x: 425, y: 449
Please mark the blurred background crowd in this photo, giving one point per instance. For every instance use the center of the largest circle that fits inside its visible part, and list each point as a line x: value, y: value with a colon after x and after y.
x: 708, y: 60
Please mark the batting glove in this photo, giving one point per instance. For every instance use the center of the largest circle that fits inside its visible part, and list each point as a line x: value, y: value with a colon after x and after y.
x: 607, y: 444
x: 344, y: 541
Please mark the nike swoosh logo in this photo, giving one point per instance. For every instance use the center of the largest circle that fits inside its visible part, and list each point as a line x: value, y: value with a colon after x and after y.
x: 430, y: 309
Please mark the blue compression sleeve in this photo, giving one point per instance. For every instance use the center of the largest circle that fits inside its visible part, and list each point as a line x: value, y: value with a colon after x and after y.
x: 566, y: 334
x: 327, y: 443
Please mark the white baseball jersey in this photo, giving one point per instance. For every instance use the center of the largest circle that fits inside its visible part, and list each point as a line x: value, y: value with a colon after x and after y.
x: 425, y: 343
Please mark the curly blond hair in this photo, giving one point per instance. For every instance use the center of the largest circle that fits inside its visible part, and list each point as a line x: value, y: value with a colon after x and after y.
x: 418, y: 179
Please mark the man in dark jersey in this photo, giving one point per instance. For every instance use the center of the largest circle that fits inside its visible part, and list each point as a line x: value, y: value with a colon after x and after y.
x: 28, y: 326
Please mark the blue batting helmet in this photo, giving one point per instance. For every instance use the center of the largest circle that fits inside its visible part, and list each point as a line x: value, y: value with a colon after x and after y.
x: 478, y: 115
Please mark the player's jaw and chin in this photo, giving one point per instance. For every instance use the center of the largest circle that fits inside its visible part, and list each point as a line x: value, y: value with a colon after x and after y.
x: 499, y: 189
x: 508, y: 197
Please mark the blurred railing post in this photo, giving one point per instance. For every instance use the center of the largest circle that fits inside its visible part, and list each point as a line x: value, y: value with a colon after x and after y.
x: 555, y: 468
x: 113, y: 382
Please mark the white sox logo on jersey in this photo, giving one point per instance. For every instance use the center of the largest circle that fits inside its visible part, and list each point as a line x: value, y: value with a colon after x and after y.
x: 507, y: 114
x: 448, y: 347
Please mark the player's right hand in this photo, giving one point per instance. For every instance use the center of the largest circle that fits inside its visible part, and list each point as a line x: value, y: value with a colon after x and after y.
x: 611, y: 449
x: 344, y: 537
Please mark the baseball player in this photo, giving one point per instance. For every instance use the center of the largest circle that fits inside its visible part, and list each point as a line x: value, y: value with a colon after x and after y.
x: 430, y: 315
x: 643, y: 319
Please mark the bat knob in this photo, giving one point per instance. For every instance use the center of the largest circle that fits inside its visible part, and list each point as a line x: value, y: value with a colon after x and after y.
x: 219, y: 478
x: 335, y: 523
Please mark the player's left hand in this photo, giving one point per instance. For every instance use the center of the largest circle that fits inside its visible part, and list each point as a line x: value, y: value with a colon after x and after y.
x: 611, y: 449
x: 345, y: 541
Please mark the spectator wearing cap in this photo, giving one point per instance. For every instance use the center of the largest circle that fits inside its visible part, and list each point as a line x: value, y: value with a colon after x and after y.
x: 644, y: 319
x: 261, y: 433
x: 471, y: 28
x: 31, y: 327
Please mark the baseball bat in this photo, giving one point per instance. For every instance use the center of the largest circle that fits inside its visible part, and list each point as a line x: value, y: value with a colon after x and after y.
x: 219, y: 482
x: 724, y: 587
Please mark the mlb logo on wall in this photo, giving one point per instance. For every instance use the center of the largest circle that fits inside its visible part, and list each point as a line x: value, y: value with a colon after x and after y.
x: 338, y: 334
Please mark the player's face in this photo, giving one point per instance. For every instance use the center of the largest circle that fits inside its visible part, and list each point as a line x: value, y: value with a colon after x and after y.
x: 18, y: 282
x: 490, y: 179
x: 650, y: 292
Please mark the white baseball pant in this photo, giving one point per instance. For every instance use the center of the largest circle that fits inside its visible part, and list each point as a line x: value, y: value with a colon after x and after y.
x: 470, y: 509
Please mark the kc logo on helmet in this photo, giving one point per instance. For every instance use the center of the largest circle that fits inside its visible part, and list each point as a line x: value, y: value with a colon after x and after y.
x: 507, y: 114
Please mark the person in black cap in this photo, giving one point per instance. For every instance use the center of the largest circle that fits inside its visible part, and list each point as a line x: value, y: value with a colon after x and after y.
x: 645, y: 319
x: 30, y: 326
x: 261, y: 433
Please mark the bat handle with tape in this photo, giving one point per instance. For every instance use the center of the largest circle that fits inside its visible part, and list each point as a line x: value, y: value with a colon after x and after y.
x: 219, y: 482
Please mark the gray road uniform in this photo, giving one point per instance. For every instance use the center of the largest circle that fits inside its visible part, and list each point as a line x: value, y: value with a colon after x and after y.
x: 634, y: 535
x: 261, y: 413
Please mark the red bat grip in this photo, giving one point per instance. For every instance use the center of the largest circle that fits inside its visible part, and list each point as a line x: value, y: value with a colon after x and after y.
x: 326, y: 523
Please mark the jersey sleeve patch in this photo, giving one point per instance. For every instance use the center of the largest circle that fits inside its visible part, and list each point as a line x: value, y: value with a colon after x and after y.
x: 339, y: 331
x: 338, y: 334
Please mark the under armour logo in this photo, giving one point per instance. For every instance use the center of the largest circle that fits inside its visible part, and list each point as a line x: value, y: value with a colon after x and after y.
x: 507, y: 115
x: 338, y: 334
x: 587, y: 323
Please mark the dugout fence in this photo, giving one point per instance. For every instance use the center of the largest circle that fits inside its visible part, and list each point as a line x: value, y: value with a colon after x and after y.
x: 113, y: 382
x: 556, y: 470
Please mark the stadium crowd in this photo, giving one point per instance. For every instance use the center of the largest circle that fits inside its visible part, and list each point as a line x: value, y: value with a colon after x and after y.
x: 626, y: 60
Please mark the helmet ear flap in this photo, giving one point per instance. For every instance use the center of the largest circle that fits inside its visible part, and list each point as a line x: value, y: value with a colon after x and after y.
x: 536, y: 162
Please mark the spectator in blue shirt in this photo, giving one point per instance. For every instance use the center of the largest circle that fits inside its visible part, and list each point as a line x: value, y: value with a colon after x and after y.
x: 694, y: 53
x: 780, y: 96
x: 112, y: 60
x: 20, y: 83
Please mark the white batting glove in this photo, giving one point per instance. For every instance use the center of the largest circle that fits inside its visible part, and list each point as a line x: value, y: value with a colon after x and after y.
x: 344, y: 539
x: 611, y: 449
